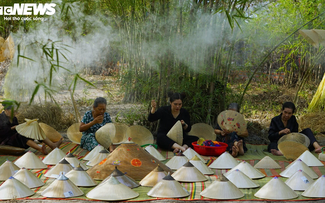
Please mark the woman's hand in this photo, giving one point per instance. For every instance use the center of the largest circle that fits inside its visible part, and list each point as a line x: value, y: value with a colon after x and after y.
x: 153, y: 106
x: 13, y: 127
x: 177, y: 148
x: 284, y: 131
x: 99, y: 119
x: 184, y: 124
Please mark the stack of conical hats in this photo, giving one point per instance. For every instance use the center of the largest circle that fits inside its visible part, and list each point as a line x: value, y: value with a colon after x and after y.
x: 224, y: 161
x: 122, y: 178
x: 299, y: 181
x: 74, y: 162
x: 98, y: 158
x: 298, y: 165
x: 62, y: 166
x: 62, y: 187
x: 168, y: 187
x: 177, y: 161
x: 74, y: 134
x: 309, y: 159
x: 31, y: 129
x: 176, y: 133
x: 154, y: 152
x: 80, y: 177
x: 248, y: 170
x: 13, y: 189
x: 201, y: 166
x: 153, y: 177
x: 51, y: 133
x: 30, y: 161
x: 203, y: 130
x: 7, y: 169
x: 188, y: 173
x: 93, y: 152
x: 190, y: 153
x: 276, y: 189
x: 267, y: 162
x: 140, y: 135
x: 316, y: 189
x: 54, y: 157
x: 241, y: 180
x: 28, y: 178
x: 117, y: 191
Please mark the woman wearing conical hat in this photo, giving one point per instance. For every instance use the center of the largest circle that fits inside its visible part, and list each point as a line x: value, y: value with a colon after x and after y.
x: 168, y: 116
x: 92, y: 121
x: 9, y: 135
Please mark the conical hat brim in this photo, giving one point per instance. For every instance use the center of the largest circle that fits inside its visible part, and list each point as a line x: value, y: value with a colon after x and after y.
x: 74, y: 134
x: 62, y: 189
x: 309, y: 159
x: 177, y: 162
x: 97, y: 159
x: 28, y: 178
x: 204, y: 169
x: 224, y: 161
x: 30, y: 161
x: 153, y: 178
x: 105, y: 134
x: 267, y: 162
x: 240, y: 180
x: 295, y: 137
x: 154, y: 152
x: 31, y: 129
x: 74, y: 162
x: 291, y: 150
x: 298, y: 165
x: 140, y: 135
x: 276, y: 189
x: 80, y: 178
x: 93, y: 152
x: 248, y: 170
x: 203, y: 130
x: 51, y: 133
x: 168, y: 189
x: 7, y: 169
x: 190, y: 153
x: 55, y: 171
x: 13, y: 189
x: 311, y: 36
x: 176, y: 133
x: 222, y: 190
x: 232, y: 121
x: 188, y: 174
x: 54, y: 157
x: 299, y: 181
x: 121, y: 134
x: 316, y: 189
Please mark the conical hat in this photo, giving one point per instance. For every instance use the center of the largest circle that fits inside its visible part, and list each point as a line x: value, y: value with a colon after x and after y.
x: 30, y: 161
x: 122, y: 178
x: 74, y: 162
x: 224, y: 161
x: 140, y: 135
x: 13, y: 189
x: 267, y: 162
x: 94, y: 152
x: 298, y: 165
x: 232, y: 121
x: 308, y: 158
x: 105, y: 134
x: 299, y: 181
x: 176, y: 133
x: 98, y: 158
x: 80, y: 177
x: 241, y: 180
x: 154, y: 152
x: 316, y: 189
x: 62, y: 187
x: 7, y: 48
x: 28, y: 178
x: 7, y: 169
x: 188, y: 173
x: 51, y: 133
x: 276, y: 189
x: 74, y: 134
x: 248, y: 170
x: 311, y: 36
x: 222, y: 189
x: 31, y: 129
x: 131, y: 159
x: 190, y: 153
x: 168, y: 187
x: 203, y: 130
x: 62, y: 166
x: 117, y: 191
x: 177, y: 162
x: 54, y: 157
x: 201, y: 166
x: 153, y: 177
x: 121, y: 133
x: 293, y: 145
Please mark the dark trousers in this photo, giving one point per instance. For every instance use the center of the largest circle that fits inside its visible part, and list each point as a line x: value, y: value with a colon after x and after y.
x: 230, y: 139
x: 166, y: 143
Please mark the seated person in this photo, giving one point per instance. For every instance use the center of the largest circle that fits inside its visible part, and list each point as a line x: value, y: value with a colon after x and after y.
x: 168, y: 116
x: 286, y: 123
x: 235, y: 141
x: 9, y: 135
x: 92, y: 121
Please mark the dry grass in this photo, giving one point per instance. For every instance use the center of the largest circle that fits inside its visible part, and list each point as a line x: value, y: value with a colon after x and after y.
x: 314, y: 121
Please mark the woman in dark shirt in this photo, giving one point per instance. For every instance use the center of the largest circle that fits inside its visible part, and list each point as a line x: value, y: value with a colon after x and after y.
x: 168, y: 116
x: 286, y: 123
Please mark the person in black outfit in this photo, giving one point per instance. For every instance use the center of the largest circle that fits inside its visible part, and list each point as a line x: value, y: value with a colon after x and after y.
x: 168, y: 116
x: 286, y: 123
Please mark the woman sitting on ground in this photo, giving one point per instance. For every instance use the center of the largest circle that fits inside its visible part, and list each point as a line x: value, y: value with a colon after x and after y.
x: 9, y: 135
x: 235, y: 141
x: 92, y: 121
x: 286, y: 123
x: 168, y: 116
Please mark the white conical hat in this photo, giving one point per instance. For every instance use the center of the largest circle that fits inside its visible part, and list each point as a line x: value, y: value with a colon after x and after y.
x: 105, y: 134
x: 122, y: 178
x: 177, y: 162
x: 316, y: 189
x: 94, y: 152
x: 267, y: 162
x: 299, y: 181
x: 62, y: 187
x: 298, y: 165
x: 31, y: 129
x: 153, y: 177
x: 74, y: 134
x: 224, y: 161
x: 30, y: 161
x: 203, y: 130
x: 201, y: 166
x: 188, y: 173
x: 74, y: 161
x: 80, y: 177
x: 117, y: 191
x: 222, y: 189
x: 50, y: 132
x: 62, y: 166
x: 276, y: 189
x: 248, y: 170
x: 168, y: 187
x: 98, y: 158
x: 7, y: 169
x: 190, y: 153
x: 54, y: 157
x: 13, y: 189
x: 140, y: 135
x: 309, y: 159
x: 241, y: 180
x: 154, y: 152
x: 28, y: 178
x: 176, y: 133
